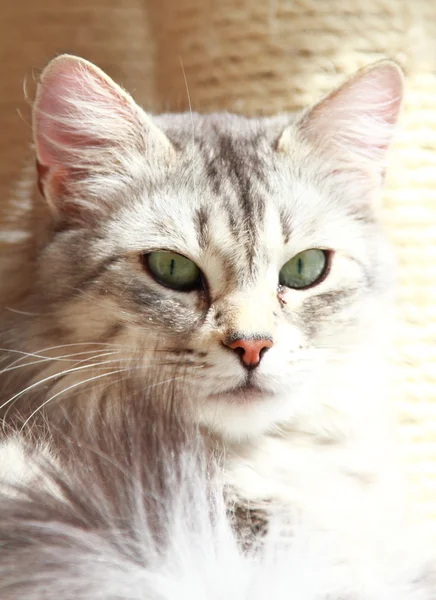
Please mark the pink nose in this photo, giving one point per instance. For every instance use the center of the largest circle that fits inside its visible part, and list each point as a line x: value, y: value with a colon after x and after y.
x: 250, y: 351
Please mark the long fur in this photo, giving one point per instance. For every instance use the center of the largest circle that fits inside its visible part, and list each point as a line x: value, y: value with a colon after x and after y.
x: 132, y: 508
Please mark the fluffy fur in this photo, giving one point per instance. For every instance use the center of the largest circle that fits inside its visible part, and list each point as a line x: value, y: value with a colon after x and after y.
x: 308, y: 429
x: 131, y: 508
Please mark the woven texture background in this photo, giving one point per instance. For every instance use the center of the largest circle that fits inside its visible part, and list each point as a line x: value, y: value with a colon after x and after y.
x: 261, y: 56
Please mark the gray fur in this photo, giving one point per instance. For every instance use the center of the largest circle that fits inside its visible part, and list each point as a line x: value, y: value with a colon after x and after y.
x: 131, y: 508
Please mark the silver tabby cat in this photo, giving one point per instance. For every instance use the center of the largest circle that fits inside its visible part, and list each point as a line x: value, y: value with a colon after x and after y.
x: 244, y: 255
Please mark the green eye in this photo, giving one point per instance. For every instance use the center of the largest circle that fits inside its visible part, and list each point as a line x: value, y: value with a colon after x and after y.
x: 173, y: 270
x: 304, y: 270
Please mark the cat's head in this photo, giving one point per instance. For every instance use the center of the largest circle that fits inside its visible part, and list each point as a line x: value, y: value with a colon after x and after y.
x: 249, y: 250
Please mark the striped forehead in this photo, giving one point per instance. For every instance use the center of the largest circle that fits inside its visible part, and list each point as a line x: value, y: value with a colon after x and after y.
x: 236, y: 212
x: 232, y: 163
x: 223, y: 203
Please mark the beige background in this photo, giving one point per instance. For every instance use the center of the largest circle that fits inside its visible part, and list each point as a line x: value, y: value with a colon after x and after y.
x: 261, y: 56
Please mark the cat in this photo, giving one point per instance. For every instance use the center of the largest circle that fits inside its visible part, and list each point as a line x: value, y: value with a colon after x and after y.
x: 131, y: 507
x: 247, y: 254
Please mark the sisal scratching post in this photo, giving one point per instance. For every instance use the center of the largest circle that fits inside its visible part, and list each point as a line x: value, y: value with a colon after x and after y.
x: 259, y: 56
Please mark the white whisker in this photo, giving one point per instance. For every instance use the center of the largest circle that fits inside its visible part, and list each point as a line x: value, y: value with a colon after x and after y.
x: 166, y: 381
x: 194, y: 181
x: 74, y: 385
x: 64, y: 358
x: 22, y: 312
x: 50, y: 378
x: 38, y: 353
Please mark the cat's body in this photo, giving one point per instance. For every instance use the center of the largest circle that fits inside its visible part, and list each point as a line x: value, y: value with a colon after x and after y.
x: 130, y: 508
x: 288, y: 382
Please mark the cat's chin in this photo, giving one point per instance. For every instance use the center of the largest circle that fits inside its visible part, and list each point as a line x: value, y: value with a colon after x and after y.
x: 242, y: 394
x: 243, y: 412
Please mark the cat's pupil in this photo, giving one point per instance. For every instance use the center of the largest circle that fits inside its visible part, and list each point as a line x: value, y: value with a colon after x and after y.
x: 300, y: 265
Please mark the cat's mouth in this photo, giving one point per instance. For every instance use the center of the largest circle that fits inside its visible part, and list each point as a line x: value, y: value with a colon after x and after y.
x: 247, y: 392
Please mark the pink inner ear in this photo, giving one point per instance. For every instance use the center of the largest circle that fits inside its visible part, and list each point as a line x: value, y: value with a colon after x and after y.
x: 360, y: 116
x: 76, y: 108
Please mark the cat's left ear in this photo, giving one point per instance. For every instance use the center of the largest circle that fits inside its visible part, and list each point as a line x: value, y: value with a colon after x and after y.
x: 354, y: 125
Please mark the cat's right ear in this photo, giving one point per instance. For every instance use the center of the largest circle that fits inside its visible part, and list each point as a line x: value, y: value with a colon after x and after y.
x: 91, y: 138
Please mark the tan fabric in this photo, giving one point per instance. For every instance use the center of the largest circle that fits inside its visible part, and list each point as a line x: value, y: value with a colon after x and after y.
x: 262, y: 56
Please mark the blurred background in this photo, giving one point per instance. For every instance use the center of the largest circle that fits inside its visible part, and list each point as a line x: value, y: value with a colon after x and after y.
x: 260, y: 57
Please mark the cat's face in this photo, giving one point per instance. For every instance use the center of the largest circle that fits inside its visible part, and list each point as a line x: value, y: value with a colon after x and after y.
x: 246, y: 251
